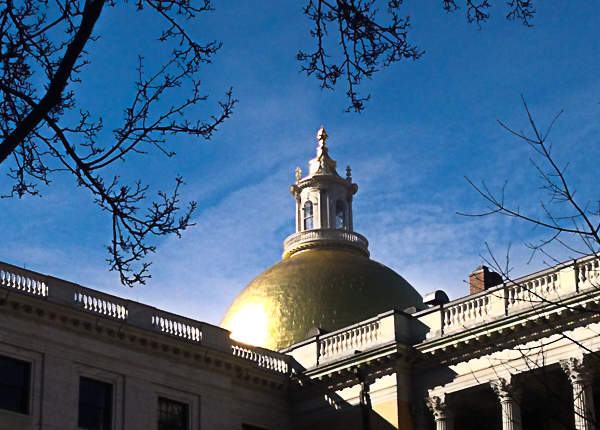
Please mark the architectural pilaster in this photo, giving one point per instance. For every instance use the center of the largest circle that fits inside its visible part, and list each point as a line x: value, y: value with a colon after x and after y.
x: 444, y: 418
x: 582, y: 392
x: 350, y: 220
x: 509, y: 397
x: 299, y: 218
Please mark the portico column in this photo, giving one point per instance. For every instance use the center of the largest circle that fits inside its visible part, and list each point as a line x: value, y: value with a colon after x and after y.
x: 582, y: 392
x: 509, y: 400
x: 444, y: 418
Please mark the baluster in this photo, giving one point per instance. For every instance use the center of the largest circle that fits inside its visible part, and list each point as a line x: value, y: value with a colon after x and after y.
x: 579, y: 275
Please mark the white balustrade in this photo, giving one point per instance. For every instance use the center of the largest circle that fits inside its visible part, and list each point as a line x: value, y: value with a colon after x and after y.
x: 325, y: 235
x: 467, y: 312
x: 589, y: 274
x: 533, y: 291
x: 24, y: 283
x: 261, y: 357
x: 350, y: 340
x: 69, y: 294
x: 177, y: 328
x: 519, y: 295
x: 100, y: 305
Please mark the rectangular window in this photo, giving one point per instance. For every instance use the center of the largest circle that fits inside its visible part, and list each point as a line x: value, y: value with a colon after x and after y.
x: 172, y: 415
x: 14, y: 385
x: 95, y: 404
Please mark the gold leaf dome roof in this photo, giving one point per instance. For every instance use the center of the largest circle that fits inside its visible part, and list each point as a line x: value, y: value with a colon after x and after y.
x: 325, y: 288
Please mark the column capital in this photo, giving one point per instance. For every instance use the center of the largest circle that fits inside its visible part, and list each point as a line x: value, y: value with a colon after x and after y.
x: 438, y: 406
x: 575, y: 369
x: 506, y: 389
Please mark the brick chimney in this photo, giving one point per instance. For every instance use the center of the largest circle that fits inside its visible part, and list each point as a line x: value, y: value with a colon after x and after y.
x: 483, y: 279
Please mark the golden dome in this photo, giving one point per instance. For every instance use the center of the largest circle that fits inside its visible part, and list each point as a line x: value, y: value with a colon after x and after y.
x: 324, y: 288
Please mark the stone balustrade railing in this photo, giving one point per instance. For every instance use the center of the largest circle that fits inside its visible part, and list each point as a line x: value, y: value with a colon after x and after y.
x: 102, y: 304
x: 263, y: 357
x: 549, y: 286
x: 320, y: 237
x: 22, y: 280
x: 465, y: 312
x: 131, y: 313
x: 177, y: 326
x: 385, y: 330
x: 354, y: 339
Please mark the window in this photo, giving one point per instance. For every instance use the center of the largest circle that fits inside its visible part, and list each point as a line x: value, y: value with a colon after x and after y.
x: 340, y: 214
x: 14, y: 385
x: 95, y: 401
x: 308, y: 216
x: 172, y: 415
x: 251, y: 427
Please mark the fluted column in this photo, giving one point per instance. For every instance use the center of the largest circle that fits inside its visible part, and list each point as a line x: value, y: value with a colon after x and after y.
x: 582, y: 392
x: 509, y: 397
x: 444, y: 418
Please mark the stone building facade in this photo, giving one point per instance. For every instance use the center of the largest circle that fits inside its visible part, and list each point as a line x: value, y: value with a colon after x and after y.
x: 518, y: 354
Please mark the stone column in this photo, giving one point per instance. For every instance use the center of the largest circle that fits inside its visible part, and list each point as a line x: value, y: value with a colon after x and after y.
x: 582, y: 392
x: 444, y: 418
x: 299, y: 217
x: 350, y: 218
x: 509, y: 397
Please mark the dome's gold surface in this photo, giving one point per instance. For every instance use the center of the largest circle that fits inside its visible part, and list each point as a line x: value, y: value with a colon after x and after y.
x: 329, y: 289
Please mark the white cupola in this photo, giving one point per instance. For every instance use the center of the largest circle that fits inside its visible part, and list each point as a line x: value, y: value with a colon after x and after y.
x: 324, y: 206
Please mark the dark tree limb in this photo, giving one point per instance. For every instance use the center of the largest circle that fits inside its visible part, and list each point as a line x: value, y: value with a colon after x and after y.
x: 40, y: 141
x: 372, y: 35
x: 568, y: 217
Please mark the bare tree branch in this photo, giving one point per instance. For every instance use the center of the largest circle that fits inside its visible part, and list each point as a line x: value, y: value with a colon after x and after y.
x: 35, y: 132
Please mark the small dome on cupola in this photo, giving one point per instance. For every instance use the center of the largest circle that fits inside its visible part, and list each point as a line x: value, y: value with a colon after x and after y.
x: 326, y: 278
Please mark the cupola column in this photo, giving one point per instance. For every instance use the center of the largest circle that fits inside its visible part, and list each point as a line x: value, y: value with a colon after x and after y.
x: 323, y: 210
x: 298, y: 214
x: 349, y: 214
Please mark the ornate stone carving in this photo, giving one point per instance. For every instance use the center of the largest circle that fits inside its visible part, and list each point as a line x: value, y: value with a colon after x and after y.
x: 575, y: 369
x: 506, y: 390
x: 437, y: 405
x: 583, y: 402
x: 509, y: 396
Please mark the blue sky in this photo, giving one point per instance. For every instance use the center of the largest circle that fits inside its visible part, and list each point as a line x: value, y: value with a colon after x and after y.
x: 430, y: 123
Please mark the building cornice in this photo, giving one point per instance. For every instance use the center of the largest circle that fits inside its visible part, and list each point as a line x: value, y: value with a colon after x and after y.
x: 210, y: 348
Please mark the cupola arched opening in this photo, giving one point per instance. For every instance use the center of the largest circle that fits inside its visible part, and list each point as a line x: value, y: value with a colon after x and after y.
x: 340, y: 215
x: 308, y: 216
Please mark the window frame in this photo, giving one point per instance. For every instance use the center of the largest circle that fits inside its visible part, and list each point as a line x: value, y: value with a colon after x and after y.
x: 341, y: 213
x: 108, y: 415
x: 26, y: 397
x: 308, y: 218
x: 187, y: 409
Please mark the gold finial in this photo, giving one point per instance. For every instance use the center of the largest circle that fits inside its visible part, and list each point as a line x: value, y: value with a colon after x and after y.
x: 298, y: 174
x: 348, y: 173
x: 322, y: 163
x: 322, y: 150
x: 322, y: 137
